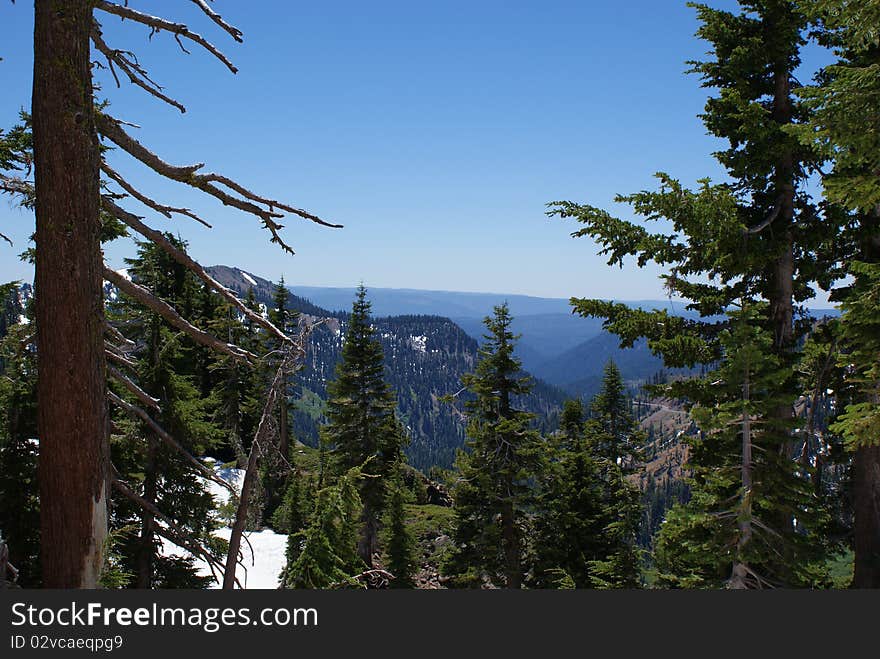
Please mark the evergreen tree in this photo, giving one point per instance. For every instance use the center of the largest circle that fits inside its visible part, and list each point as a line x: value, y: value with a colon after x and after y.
x: 615, y: 440
x: 19, y: 500
x: 494, y: 491
x: 757, y: 241
x: 570, y: 508
x: 323, y: 554
x: 167, y: 369
x: 399, y: 545
x: 362, y: 428
x: 843, y: 126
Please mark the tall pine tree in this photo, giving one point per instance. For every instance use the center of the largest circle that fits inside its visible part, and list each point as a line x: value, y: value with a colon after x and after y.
x: 362, y: 427
x: 494, y: 491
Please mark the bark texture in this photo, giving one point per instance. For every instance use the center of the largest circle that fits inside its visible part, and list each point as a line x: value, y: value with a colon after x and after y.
x: 72, y: 412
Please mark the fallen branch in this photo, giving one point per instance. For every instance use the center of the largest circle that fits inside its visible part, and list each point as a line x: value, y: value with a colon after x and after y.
x: 171, y: 531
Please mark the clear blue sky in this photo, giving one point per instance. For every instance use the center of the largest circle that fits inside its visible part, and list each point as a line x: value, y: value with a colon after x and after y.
x: 436, y: 132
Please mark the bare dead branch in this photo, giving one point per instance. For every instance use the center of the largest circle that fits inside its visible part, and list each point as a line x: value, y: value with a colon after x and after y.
x: 248, y: 201
x: 112, y: 353
x: 167, y: 312
x: 181, y: 257
x: 126, y: 61
x: 145, y: 200
x: 157, y: 24
x: 233, y: 31
x: 250, y: 476
x: 138, y: 393
x: 171, y: 531
x: 161, y: 433
x: 119, y: 336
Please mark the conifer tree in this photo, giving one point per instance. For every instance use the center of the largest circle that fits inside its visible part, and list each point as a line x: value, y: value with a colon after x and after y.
x: 843, y: 126
x: 399, y: 545
x: 167, y: 369
x: 570, y: 512
x: 362, y: 427
x: 323, y: 554
x: 614, y: 440
x: 756, y: 240
x: 19, y: 500
x: 502, y: 458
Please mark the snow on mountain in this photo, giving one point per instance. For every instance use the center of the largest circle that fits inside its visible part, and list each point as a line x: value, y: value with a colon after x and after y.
x: 263, y: 552
x: 248, y: 278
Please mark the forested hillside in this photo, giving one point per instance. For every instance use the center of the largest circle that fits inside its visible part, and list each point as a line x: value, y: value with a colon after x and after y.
x: 425, y: 358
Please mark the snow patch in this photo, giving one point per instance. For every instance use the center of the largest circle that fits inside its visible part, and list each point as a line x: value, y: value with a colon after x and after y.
x: 263, y: 552
x: 248, y: 278
x: 418, y: 343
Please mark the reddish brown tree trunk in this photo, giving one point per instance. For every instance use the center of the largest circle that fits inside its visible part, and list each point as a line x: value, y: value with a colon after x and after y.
x: 72, y: 415
x: 866, y: 502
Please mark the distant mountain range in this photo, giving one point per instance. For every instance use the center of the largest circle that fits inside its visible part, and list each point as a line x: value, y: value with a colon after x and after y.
x: 425, y: 358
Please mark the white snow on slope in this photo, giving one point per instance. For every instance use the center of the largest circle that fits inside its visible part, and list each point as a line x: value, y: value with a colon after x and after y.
x: 418, y: 343
x: 261, y: 567
x: 248, y: 278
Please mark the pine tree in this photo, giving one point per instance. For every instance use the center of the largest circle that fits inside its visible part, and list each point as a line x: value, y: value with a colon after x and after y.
x: 568, y: 534
x: 843, y: 126
x: 362, y: 428
x: 757, y: 240
x: 167, y: 369
x: 615, y: 440
x: 399, y: 545
x: 323, y: 554
x: 19, y: 500
x: 494, y: 491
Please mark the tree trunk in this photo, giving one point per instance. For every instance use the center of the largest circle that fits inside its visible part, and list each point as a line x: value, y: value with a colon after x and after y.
x: 866, y: 502
x: 283, y: 427
x: 145, y: 550
x: 367, y: 542
x: 72, y: 408
x: 510, y: 540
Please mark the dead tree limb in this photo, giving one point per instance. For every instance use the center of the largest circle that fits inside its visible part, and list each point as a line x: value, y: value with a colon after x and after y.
x: 157, y: 24
x: 292, y: 356
x: 128, y: 64
x: 161, y: 433
x: 167, y: 312
x: 171, y: 531
x: 247, y: 201
x: 233, y: 31
x: 134, y: 222
x: 145, y: 200
x: 138, y: 393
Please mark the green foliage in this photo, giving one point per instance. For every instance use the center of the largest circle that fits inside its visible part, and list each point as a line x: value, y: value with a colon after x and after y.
x: 494, y: 491
x: 19, y: 494
x: 322, y: 555
x: 399, y: 544
x: 362, y: 427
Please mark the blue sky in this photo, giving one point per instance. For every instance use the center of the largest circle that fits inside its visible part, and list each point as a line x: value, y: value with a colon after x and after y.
x: 436, y: 132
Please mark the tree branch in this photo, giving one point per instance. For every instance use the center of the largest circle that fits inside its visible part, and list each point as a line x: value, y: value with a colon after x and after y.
x: 248, y: 201
x: 233, y: 31
x: 146, y: 201
x: 129, y: 65
x: 157, y: 24
x: 138, y: 393
x: 161, y: 433
x: 181, y: 257
x: 167, y: 312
